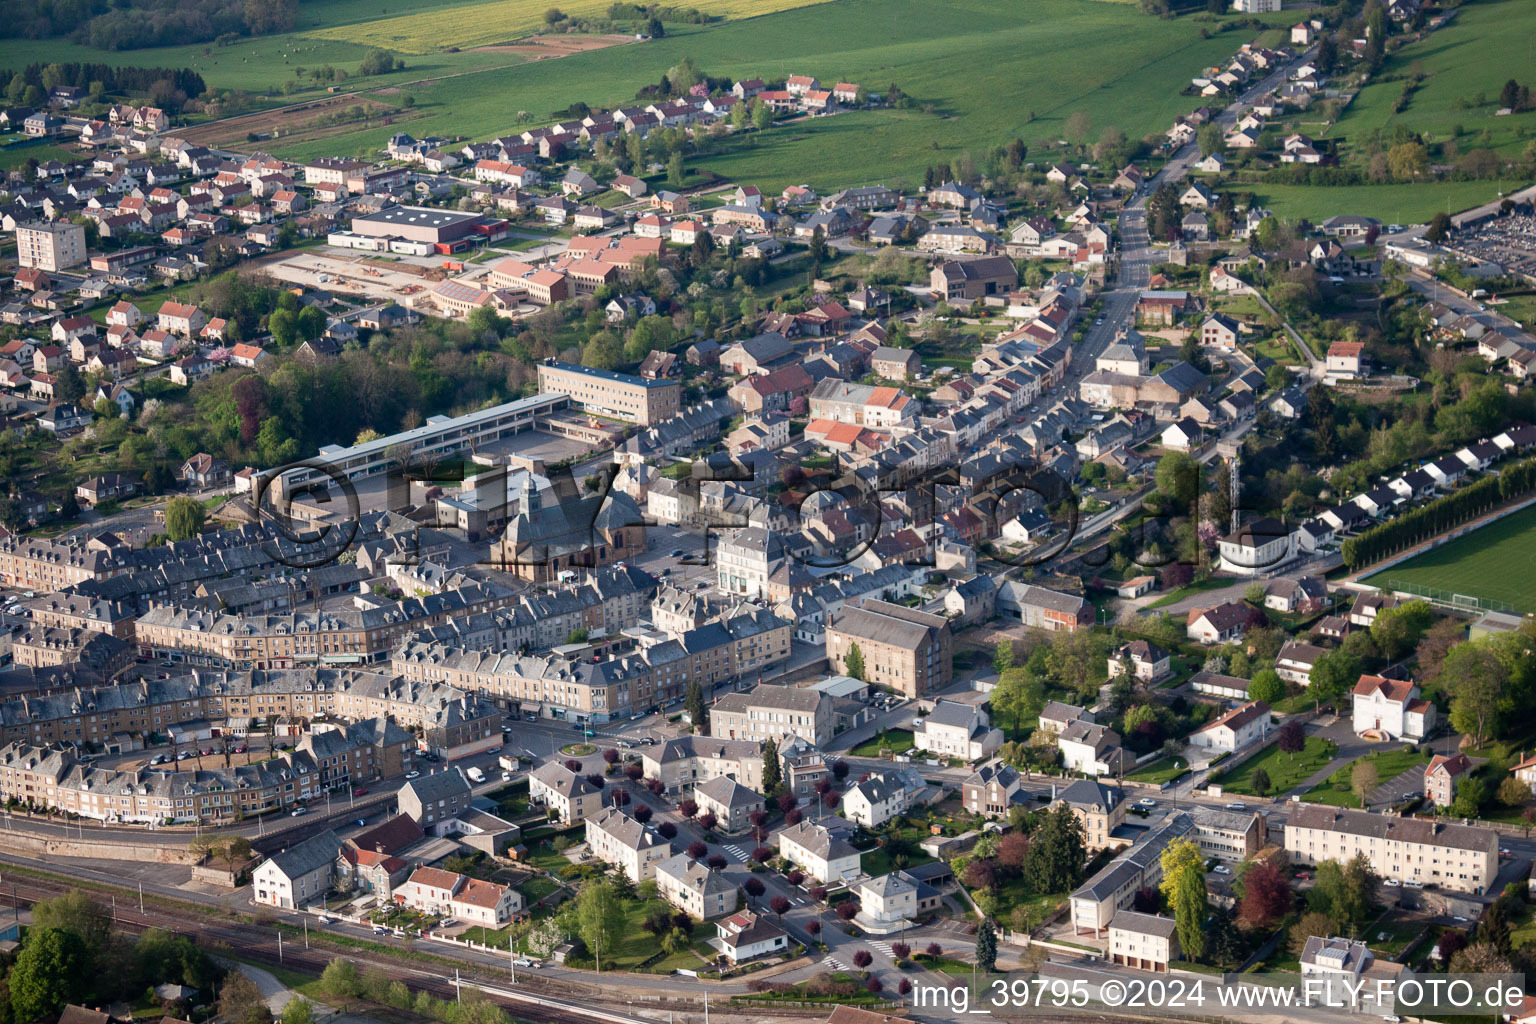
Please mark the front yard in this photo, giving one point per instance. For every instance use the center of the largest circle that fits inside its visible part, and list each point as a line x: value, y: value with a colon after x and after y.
x: 1164, y: 769
x: 1335, y: 789
x: 897, y: 741
x: 1285, y: 771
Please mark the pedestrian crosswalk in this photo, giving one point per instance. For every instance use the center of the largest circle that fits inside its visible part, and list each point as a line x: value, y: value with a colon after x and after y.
x: 834, y: 963
x: 884, y: 947
x: 736, y: 853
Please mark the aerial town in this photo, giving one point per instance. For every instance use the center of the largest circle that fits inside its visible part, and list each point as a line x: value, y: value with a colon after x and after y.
x: 660, y: 559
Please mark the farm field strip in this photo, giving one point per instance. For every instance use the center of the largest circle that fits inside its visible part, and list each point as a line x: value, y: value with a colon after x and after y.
x: 502, y: 21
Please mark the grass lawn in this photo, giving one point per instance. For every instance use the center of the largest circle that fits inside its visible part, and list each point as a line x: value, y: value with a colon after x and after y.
x: 1285, y: 771
x: 1198, y: 587
x: 637, y: 945
x: 1477, y: 52
x: 1164, y: 769
x: 1496, y: 562
x: 949, y: 965
x: 688, y: 958
x: 536, y: 888
x: 877, y: 862
x: 1406, y: 203
x: 1335, y: 789
x: 898, y: 741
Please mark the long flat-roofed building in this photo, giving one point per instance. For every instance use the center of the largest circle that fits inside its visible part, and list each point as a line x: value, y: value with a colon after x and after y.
x: 439, y: 436
x: 1459, y: 857
x: 417, y: 223
x: 606, y: 393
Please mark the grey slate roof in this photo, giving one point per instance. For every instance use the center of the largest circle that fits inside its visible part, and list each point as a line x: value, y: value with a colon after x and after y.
x: 316, y: 852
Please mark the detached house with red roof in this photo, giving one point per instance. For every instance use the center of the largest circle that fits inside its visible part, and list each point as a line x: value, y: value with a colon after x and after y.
x: 1443, y: 775
x: 1391, y: 709
x: 180, y: 318
x: 1234, y: 730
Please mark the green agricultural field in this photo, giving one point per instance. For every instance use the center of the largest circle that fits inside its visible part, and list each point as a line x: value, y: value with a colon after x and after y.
x: 1496, y: 563
x: 1488, y: 43
x: 1391, y: 204
x: 501, y: 21
x: 980, y: 72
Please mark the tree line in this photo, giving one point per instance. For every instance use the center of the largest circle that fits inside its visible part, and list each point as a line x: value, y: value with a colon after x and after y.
x: 1427, y: 521
x: 134, y: 24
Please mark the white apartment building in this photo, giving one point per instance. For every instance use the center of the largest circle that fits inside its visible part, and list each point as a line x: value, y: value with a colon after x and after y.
x: 1146, y: 942
x: 297, y: 875
x: 635, y: 849
x: 50, y: 246
x: 1459, y: 857
x: 817, y: 852
x: 695, y: 889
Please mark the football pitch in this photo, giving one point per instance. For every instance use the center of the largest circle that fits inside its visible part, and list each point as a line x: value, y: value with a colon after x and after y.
x: 1495, y: 563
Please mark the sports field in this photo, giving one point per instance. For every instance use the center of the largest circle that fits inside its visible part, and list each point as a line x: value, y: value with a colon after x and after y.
x: 1497, y: 562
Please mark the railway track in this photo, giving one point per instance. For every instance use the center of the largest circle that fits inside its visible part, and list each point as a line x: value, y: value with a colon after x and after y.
x: 267, y: 947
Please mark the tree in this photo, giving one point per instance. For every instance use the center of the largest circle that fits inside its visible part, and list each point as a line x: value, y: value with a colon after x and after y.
x: 853, y: 663
x: 754, y: 887
x: 1363, y: 779
x: 698, y: 714
x: 241, y: 1001
x: 1266, y: 895
x: 762, y: 116
x: 1266, y: 686
x: 1407, y: 160
x: 1260, y: 782
x: 75, y: 912
x: 283, y: 325
x: 53, y: 968
x: 298, y: 1011
x: 1493, y: 929
x: 1078, y: 126
x: 68, y: 385
x: 1292, y: 738
x: 1478, y: 679
x: 1439, y: 227
x: 1178, y: 477
x: 676, y: 173
x: 862, y: 959
x: 1399, y: 630
x: 1002, y: 657
x: 1513, y: 792
x: 183, y: 518
x: 598, y: 919
x: 554, y: 16
x: 1345, y: 892
x: 1183, y: 886
x: 1057, y: 851
x: 1312, y: 923
x: 1479, y: 958
x: 986, y: 946
x: 772, y: 780
x: 341, y: 980
x: 1210, y: 139
x: 1470, y: 796
x: 1333, y: 674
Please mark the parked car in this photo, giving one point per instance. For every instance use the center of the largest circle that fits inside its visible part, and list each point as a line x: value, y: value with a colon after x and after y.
x: 413, y: 775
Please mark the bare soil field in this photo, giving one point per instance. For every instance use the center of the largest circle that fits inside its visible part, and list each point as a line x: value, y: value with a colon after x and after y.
x: 302, y: 122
